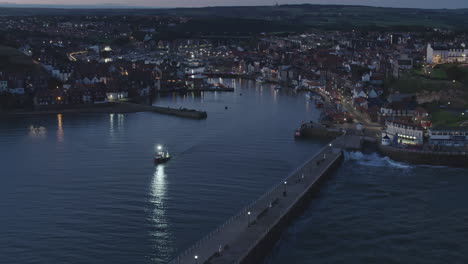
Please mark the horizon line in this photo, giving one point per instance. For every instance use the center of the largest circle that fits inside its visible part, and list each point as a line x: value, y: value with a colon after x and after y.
x: 112, y: 6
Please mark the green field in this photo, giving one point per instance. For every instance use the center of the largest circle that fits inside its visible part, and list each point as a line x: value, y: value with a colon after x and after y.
x: 448, y: 119
x: 415, y: 84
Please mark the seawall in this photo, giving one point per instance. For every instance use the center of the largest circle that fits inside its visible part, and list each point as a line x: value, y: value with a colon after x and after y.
x: 258, y: 253
x: 451, y: 159
x: 249, y: 236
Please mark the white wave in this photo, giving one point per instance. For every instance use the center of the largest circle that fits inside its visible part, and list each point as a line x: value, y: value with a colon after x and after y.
x: 375, y: 160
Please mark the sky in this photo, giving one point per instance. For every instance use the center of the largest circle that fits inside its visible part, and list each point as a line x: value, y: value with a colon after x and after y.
x: 200, y: 3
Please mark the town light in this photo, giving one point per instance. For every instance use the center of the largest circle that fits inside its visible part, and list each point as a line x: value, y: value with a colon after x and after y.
x: 159, y: 147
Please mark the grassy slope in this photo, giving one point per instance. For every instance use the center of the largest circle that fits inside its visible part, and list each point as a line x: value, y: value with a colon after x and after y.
x: 448, y: 119
x: 11, y: 60
x: 414, y: 84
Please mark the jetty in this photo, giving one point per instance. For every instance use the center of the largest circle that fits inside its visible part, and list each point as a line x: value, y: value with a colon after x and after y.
x: 248, y: 236
x: 180, y: 112
x: 198, y: 90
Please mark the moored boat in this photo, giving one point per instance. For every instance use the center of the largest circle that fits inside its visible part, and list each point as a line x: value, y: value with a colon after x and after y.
x: 260, y: 80
x: 319, y: 103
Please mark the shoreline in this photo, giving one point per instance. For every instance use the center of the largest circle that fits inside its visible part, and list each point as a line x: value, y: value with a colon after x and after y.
x: 371, y: 135
x: 107, y: 108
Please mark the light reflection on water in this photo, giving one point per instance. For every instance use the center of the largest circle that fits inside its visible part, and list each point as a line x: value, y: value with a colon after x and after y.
x: 98, y: 197
x: 116, y: 124
x: 37, y: 132
x: 158, y: 197
x: 60, y: 135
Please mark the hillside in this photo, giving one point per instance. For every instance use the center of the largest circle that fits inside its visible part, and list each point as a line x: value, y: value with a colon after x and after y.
x: 12, y: 60
x: 321, y: 16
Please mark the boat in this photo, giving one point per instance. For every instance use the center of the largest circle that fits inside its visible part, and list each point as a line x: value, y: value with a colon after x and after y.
x: 319, y: 103
x: 161, y: 156
x: 260, y: 80
x: 277, y: 87
x: 297, y: 133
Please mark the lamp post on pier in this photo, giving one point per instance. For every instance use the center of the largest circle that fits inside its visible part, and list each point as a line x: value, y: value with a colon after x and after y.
x: 248, y: 218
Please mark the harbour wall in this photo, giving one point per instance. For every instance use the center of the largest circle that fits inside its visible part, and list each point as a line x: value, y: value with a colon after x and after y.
x: 265, y: 245
x: 451, y: 159
x: 249, y: 236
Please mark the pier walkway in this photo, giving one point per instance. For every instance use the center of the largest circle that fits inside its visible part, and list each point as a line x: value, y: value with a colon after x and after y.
x: 236, y: 240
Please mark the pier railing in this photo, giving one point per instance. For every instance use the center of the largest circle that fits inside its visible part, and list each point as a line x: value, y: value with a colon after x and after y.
x: 192, y: 250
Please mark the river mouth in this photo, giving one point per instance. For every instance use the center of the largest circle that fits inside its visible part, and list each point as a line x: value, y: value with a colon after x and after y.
x: 86, y: 184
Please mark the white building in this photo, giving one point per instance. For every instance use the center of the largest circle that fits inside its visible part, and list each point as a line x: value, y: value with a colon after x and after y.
x: 114, y: 96
x: 403, y: 133
x: 446, y: 55
x: 452, y: 137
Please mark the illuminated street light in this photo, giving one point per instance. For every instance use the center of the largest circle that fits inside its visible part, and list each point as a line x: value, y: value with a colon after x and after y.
x: 248, y: 218
x: 196, y: 259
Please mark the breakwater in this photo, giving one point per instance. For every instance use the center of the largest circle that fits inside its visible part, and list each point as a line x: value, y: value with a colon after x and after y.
x: 181, y: 112
x: 249, y: 235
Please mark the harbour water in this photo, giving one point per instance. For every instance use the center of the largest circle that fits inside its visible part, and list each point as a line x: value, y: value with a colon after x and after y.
x: 375, y: 210
x: 82, y: 188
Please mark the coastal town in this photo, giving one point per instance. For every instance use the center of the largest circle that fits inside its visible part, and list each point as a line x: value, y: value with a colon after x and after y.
x: 223, y: 131
x: 410, y: 89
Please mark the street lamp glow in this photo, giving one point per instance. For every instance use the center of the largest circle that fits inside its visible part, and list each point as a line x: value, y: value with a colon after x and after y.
x: 285, y: 182
x: 159, y: 147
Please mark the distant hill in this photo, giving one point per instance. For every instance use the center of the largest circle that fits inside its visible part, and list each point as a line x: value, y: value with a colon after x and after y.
x: 322, y: 16
x: 12, y: 60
